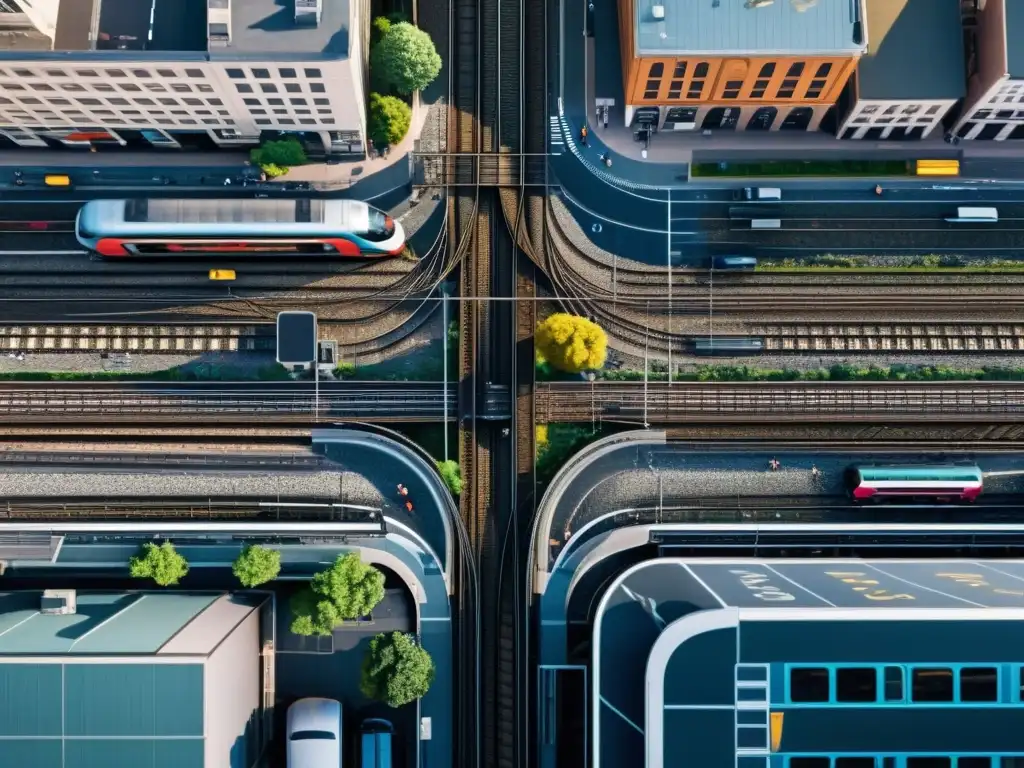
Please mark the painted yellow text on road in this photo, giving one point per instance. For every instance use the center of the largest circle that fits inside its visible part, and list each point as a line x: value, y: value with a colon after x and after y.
x: 869, y: 588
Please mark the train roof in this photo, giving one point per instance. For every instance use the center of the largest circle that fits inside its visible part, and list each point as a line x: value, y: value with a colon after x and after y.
x: 199, y: 216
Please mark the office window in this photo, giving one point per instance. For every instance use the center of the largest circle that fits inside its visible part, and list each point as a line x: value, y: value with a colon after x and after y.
x: 696, y: 89
x: 979, y: 684
x: 810, y: 762
x: 261, y: 74
x: 262, y: 122
x: 760, y: 85
x: 701, y: 70
x: 286, y: 73
x: 808, y: 684
x: 215, y: 103
x: 303, y: 112
x: 32, y: 100
x: 181, y: 87
x: 813, y: 93
x: 168, y: 72
x: 733, y: 85
x: 154, y: 87
x: 316, y: 73
x: 856, y: 684
x: 251, y: 102
x: 62, y: 73
x: 236, y: 74
x: 933, y: 109
x: 819, y: 84
x: 757, y: 93
x: 657, y: 70
x: 191, y: 102
x: 280, y: 111
x: 854, y: 762
x: 653, y: 85
x: 70, y: 87
x: 293, y: 88
x: 41, y: 87
x: 86, y: 73
x: 730, y: 94
x: 275, y: 102
x: 786, y: 93
x: 194, y: 73
x: 169, y: 102
x: 929, y: 762
x: 325, y: 102
x: 767, y: 70
x: 823, y: 70
x: 127, y: 87
x: 323, y: 112
x: 795, y: 70
x: 243, y: 87
x: 790, y: 84
x: 317, y: 88
x: 143, y: 73
x: 931, y: 684
x: 268, y: 87
x: 298, y: 101
x: 680, y: 69
x: 650, y: 95
x: 258, y: 112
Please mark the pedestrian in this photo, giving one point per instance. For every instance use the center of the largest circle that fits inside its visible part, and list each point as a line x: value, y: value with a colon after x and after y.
x: 878, y: 189
x: 402, y: 490
x: 583, y: 135
x: 815, y: 472
x: 408, y: 506
x: 774, y: 464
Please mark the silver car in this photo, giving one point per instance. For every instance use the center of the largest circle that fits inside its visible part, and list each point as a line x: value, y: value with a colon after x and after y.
x: 314, y: 734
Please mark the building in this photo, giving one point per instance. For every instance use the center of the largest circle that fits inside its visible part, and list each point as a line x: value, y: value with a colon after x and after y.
x: 735, y: 65
x: 912, y: 75
x: 810, y: 664
x: 994, y: 107
x: 169, y: 73
x: 147, y: 680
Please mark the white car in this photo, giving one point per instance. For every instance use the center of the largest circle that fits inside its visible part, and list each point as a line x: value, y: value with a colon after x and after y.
x: 314, y: 734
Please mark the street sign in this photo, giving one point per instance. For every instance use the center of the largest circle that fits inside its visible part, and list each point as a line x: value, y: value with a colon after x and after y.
x: 296, y: 338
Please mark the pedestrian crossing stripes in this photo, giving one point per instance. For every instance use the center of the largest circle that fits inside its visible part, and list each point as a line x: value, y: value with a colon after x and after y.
x: 557, y: 142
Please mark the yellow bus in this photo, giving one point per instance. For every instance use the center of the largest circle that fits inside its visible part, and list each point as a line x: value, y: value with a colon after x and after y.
x: 938, y: 168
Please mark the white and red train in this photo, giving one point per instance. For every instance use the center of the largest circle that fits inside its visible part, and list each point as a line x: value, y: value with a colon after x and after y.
x: 261, y: 227
x: 935, y: 482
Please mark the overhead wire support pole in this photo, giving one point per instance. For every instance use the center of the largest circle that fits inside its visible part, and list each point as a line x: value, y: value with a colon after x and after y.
x: 668, y: 258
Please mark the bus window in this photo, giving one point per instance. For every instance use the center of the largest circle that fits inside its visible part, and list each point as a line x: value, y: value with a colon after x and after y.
x: 766, y: 224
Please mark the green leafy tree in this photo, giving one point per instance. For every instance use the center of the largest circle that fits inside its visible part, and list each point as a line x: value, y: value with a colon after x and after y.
x: 396, y: 670
x: 571, y: 343
x: 257, y: 565
x: 380, y: 27
x: 284, y: 153
x: 451, y: 473
x: 159, y: 562
x: 405, y: 59
x: 389, y: 119
x: 348, y: 589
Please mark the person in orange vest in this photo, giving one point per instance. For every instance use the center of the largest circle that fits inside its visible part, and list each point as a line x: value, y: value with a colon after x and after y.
x: 408, y: 506
x: 583, y: 135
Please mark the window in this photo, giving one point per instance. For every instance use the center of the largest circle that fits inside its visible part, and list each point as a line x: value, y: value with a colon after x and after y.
x: 823, y: 70
x: 730, y: 94
x: 156, y: 87
x: 307, y: 121
x: 60, y: 102
x: 275, y: 102
x: 293, y: 88
x: 181, y: 88
x: 929, y: 762
x: 286, y: 73
x: 733, y: 85
x: 204, y: 88
x: 193, y: 102
x: 314, y: 73
x: 118, y: 102
x: 251, y: 102
x: 790, y: 84
x: 303, y: 112
x: 650, y: 95
x: 323, y: 112
x: 932, y: 109
x: 297, y: 101
x: 143, y: 73
x: 169, y: 102
x: 62, y: 73
x: 258, y: 112
x: 701, y: 70
x: 317, y: 88
x: 767, y: 70
x: 808, y: 684
x: 216, y: 103
x: 680, y: 69
x: 195, y: 73
x: 932, y: 684
x: 280, y: 111
x: 813, y: 93
x: 262, y: 121
x: 657, y: 70
x: 167, y: 73
x: 854, y: 762
x: 42, y: 87
x: 819, y: 84
x: 856, y: 684
x: 236, y: 74
x: 795, y: 70
x: 322, y: 102
x: 696, y: 88
x: 86, y: 73
x: 243, y: 87
x: 125, y: 87
x: 979, y: 684
x: 268, y: 87
x: 810, y: 762
x: 261, y: 74
x: 653, y: 85
x: 31, y: 100
x: 974, y: 762
x: 786, y: 93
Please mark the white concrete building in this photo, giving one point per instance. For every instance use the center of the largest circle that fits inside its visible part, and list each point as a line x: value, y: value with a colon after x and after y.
x: 912, y: 74
x: 994, y: 107
x: 184, y: 72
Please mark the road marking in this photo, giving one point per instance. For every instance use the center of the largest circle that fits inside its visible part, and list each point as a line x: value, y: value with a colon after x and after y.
x: 557, y: 140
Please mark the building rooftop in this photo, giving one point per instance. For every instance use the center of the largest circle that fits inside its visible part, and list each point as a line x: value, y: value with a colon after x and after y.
x: 219, y: 28
x: 1014, y: 34
x: 755, y: 27
x: 121, y: 623
x: 915, y: 50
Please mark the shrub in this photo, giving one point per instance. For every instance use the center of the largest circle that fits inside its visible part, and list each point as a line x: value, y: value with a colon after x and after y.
x: 405, y: 59
x: 451, y: 473
x: 345, y: 370
x: 272, y: 170
x: 284, y: 153
x: 379, y: 28
x: 256, y: 565
x: 571, y: 343
x: 159, y: 562
x: 389, y: 119
x: 348, y: 589
x: 396, y: 670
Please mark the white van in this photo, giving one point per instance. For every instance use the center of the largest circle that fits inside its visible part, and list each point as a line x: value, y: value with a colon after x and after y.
x: 759, y: 193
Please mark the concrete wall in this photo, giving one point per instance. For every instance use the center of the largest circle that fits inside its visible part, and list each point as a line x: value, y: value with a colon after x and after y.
x: 233, y: 697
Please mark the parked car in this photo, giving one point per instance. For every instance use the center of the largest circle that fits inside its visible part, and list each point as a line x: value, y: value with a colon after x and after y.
x: 314, y: 734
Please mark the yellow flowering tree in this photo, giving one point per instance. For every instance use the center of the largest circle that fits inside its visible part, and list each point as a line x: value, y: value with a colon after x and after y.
x: 571, y: 343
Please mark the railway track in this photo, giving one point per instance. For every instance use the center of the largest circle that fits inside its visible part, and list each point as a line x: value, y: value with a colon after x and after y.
x: 150, y: 339
x: 149, y: 509
x: 934, y: 338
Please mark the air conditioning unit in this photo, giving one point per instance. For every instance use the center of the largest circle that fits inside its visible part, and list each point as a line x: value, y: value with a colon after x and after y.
x: 218, y: 21
x: 658, y: 12
x: 58, y: 602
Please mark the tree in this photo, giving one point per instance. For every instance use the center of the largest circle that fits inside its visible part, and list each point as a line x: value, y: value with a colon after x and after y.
x: 396, y: 670
x: 571, y: 343
x: 379, y: 28
x: 159, y: 562
x: 284, y: 153
x: 389, y: 119
x: 451, y: 473
x: 405, y: 59
x: 348, y: 589
x: 257, y: 565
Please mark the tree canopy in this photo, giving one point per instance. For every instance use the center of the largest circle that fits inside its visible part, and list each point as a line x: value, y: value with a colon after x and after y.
x: 159, y: 562
x: 349, y: 589
x: 571, y: 343
x: 389, y: 119
x: 256, y: 565
x: 405, y: 59
x: 396, y: 670
x: 284, y: 153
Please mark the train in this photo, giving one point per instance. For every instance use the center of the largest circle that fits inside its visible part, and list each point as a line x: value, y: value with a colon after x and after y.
x: 728, y: 346
x: 243, y: 228
x: 933, y: 482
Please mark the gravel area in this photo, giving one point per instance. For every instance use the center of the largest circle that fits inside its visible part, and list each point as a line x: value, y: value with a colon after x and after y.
x: 91, y: 362
x: 343, y: 487
x: 812, y: 362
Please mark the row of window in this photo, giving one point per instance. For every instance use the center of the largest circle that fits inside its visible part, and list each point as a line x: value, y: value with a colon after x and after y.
x: 107, y: 87
x: 118, y: 73
x: 895, y: 684
x: 288, y: 88
x: 695, y: 85
x: 285, y: 73
x: 916, y: 761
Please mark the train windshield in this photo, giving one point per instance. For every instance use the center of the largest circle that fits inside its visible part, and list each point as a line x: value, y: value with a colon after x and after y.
x: 381, y: 227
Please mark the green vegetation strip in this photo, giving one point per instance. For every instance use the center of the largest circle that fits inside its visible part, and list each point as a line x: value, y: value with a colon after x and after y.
x: 838, y: 372
x: 779, y: 168
x: 932, y: 262
x: 202, y: 373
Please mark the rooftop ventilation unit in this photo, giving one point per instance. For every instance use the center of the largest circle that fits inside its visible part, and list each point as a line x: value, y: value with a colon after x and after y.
x: 218, y: 22
x: 751, y: 4
x: 658, y: 12
x: 58, y: 602
x: 308, y: 12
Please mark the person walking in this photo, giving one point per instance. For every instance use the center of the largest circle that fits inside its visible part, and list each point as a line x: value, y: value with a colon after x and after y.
x: 402, y: 490
x: 583, y: 135
x: 408, y: 506
x: 774, y: 464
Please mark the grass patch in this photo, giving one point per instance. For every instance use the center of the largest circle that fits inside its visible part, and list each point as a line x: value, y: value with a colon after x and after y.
x: 780, y: 168
x: 838, y: 372
x: 199, y: 373
x: 556, y: 443
x: 932, y: 262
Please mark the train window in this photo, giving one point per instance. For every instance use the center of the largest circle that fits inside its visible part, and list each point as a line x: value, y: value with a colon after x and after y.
x: 808, y: 684
x: 854, y: 762
x: 893, y: 683
x: 929, y: 762
x: 856, y: 684
x: 932, y: 684
x: 974, y: 762
x: 1009, y: 762
x: 810, y: 762
x: 979, y: 684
